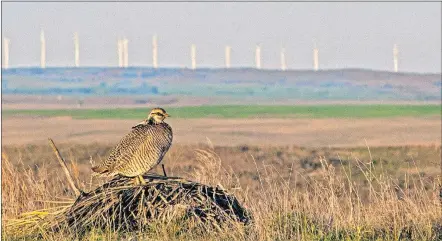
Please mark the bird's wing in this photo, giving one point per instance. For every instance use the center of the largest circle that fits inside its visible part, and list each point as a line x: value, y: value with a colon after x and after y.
x: 155, y: 145
x: 127, y: 147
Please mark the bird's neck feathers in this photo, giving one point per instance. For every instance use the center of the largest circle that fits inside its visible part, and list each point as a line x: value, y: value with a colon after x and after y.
x: 149, y: 121
x: 143, y: 123
x: 153, y: 121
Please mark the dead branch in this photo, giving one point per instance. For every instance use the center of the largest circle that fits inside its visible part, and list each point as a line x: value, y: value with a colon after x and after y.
x: 65, y: 168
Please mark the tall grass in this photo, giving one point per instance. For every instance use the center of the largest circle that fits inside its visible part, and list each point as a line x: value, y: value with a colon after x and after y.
x: 330, y: 207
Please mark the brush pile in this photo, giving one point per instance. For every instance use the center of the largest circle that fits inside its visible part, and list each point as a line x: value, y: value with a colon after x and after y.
x: 119, y: 205
x: 122, y: 206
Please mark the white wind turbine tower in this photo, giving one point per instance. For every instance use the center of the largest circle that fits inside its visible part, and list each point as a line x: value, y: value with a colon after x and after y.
x: 395, y: 57
x: 227, y: 56
x: 155, y: 51
x: 6, y: 53
x: 120, y: 52
x: 43, y: 50
x: 193, y: 55
x: 258, y: 57
x: 315, y: 57
x: 283, y: 62
x: 126, y: 53
x: 76, y: 50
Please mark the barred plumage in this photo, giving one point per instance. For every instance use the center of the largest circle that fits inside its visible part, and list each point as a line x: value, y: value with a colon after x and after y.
x: 140, y: 150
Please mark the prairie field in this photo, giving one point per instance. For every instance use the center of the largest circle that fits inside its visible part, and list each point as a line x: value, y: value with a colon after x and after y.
x: 246, y: 111
x: 312, y: 126
x: 381, y: 193
x: 367, y: 174
x: 284, y: 122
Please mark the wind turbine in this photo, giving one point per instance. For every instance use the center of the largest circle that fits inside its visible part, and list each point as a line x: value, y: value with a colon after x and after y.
x: 76, y: 50
x: 155, y: 51
x: 6, y: 53
x: 193, y: 55
x: 227, y: 56
x: 283, y: 62
x: 42, y: 50
x: 258, y: 57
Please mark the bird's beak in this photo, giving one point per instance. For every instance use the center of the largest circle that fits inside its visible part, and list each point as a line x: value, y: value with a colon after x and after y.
x: 166, y: 115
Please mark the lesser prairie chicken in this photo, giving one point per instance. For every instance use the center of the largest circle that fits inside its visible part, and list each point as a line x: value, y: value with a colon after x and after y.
x: 140, y: 150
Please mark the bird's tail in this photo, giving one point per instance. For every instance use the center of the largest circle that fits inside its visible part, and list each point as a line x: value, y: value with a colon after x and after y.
x: 100, y: 169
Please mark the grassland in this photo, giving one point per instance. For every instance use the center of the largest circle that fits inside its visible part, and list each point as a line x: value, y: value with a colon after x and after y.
x: 240, y: 111
x: 294, y: 193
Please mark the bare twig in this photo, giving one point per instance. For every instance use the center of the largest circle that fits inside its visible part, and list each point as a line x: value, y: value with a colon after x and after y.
x: 164, y: 170
x: 65, y: 168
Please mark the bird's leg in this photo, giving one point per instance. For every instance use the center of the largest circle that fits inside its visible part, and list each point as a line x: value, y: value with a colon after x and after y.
x: 141, y: 180
x: 136, y: 181
x: 164, y: 170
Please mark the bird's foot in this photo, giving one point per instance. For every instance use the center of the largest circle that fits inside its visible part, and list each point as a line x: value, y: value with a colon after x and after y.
x: 141, y: 178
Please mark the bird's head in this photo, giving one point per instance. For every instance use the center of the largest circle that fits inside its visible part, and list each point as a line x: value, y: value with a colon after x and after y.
x: 157, y: 115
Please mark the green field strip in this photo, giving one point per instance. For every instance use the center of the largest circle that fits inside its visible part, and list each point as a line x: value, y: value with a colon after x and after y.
x: 243, y: 111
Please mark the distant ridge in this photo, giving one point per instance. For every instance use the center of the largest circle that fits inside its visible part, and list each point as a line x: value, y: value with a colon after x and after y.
x: 332, y: 84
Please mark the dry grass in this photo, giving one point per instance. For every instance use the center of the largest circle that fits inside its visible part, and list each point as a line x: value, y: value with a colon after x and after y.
x: 330, y: 205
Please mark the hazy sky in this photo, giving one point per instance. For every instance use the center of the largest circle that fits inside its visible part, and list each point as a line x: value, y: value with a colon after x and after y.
x: 347, y: 34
